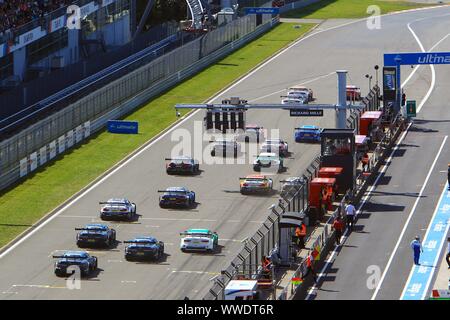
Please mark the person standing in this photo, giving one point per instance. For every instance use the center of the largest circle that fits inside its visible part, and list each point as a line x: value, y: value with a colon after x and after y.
x: 310, y: 266
x: 448, y: 176
x: 447, y: 257
x: 338, y: 227
x: 416, y: 246
x: 350, y: 212
x: 300, y: 233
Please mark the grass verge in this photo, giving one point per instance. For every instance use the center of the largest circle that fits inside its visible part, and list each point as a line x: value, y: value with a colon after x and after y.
x: 349, y: 9
x: 23, y: 205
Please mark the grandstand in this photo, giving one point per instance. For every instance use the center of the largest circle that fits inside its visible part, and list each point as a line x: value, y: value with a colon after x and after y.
x: 42, y: 58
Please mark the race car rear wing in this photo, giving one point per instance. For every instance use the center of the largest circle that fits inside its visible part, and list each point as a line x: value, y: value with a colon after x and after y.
x: 89, y: 229
x: 64, y: 257
x: 143, y: 242
x: 114, y: 203
x: 174, y: 191
x: 205, y: 235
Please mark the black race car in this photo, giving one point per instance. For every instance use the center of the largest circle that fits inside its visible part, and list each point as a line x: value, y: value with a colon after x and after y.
x: 95, y: 235
x: 70, y: 260
x: 144, y: 248
x: 182, y: 165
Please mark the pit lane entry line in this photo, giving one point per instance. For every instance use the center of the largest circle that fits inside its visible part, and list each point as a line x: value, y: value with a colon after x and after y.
x: 420, y: 276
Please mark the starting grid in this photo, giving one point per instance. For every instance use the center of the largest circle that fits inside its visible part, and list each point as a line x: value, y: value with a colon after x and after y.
x: 421, y: 276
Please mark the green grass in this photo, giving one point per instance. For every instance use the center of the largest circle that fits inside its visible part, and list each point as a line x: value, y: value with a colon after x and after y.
x: 350, y: 9
x: 23, y: 205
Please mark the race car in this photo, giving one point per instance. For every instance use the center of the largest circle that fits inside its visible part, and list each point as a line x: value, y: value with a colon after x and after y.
x: 181, y: 164
x: 117, y: 209
x: 199, y: 239
x: 176, y: 196
x: 291, y: 185
x: 293, y: 101
x: 94, y: 235
x: 144, y: 247
x: 225, y: 148
x: 307, y: 133
x: 309, y: 92
x: 268, y: 160
x: 301, y: 95
x: 278, y: 3
x: 275, y: 145
x: 252, y: 133
x: 68, y: 261
x: 353, y: 93
x: 255, y: 184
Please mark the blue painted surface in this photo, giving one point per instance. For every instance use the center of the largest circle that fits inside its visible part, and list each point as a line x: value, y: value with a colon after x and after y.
x: 418, y: 283
x: 120, y: 126
x: 391, y: 59
x: 262, y: 10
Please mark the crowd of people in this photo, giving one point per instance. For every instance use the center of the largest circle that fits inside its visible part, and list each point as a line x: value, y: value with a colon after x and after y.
x: 15, y: 13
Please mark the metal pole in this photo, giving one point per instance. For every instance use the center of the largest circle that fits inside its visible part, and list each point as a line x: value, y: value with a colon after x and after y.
x: 341, y: 113
x: 398, y: 85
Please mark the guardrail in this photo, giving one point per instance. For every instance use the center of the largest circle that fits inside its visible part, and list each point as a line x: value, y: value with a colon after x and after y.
x: 43, y: 141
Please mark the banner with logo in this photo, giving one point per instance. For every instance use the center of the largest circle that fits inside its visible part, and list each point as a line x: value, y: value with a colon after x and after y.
x: 87, y: 129
x: 69, y: 139
x: 57, y: 24
x: 52, y: 150
x: 43, y: 155
x: 78, y: 134
x: 87, y: 9
x: 33, y: 161
x: 23, y: 167
x: 27, y: 38
x: 120, y: 126
x: 61, y: 144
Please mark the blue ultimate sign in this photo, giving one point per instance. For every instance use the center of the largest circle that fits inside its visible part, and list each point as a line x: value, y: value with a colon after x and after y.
x: 262, y: 10
x: 120, y: 126
x: 392, y: 59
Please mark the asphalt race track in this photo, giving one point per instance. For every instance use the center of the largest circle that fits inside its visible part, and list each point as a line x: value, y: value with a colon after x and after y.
x: 26, y: 272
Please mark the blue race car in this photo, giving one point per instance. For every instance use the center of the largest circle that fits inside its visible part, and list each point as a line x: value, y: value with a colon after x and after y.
x: 73, y: 259
x: 95, y: 235
x: 176, y: 197
x: 307, y: 133
x: 144, y: 247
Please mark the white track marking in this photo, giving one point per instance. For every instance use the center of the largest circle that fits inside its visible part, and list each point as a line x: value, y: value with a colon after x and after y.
x: 47, y: 219
x: 413, y: 210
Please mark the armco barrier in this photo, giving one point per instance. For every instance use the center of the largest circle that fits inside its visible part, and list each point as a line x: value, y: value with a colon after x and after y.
x: 17, y: 154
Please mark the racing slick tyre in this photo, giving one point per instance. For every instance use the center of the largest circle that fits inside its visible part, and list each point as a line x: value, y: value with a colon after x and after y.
x: 235, y: 153
x: 247, y: 139
x: 213, y: 153
x: 196, y: 168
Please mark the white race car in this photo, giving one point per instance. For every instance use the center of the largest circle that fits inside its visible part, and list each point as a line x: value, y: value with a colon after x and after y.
x: 199, y: 240
x: 117, y: 208
x: 275, y: 145
x: 309, y: 92
x: 268, y: 160
x: 225, y: 148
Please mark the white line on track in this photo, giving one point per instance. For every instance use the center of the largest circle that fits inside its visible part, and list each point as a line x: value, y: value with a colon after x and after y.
x: 137, y: 154
x: 405, y: 226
